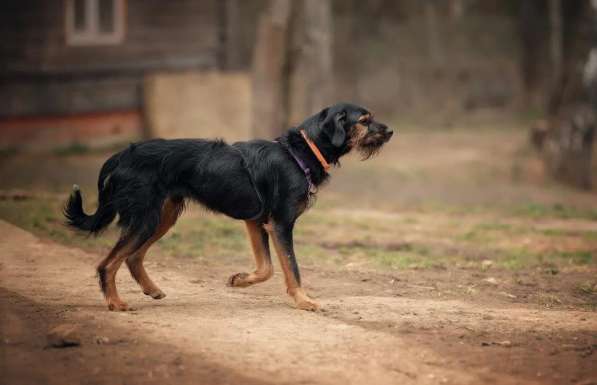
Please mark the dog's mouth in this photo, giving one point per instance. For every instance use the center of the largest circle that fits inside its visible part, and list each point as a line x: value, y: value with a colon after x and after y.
x: 369, y: 144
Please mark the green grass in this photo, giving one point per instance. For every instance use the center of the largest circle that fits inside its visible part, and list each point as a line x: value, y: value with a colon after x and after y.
x: 74, y: 148
x: 208, y: 235
x: 517, y: 259
x: 581, y: 257
x: 487, y: 232
x: 9, y: 151
x: 77, y: 148
x: 333, y: 237
x: 535, y: 210
x: 43, y: 217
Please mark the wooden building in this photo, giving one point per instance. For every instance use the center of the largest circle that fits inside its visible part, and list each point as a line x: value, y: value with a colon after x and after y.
x: 74, y: 68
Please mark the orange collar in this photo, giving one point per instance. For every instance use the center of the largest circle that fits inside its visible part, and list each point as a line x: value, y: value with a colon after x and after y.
x: 316, y: 152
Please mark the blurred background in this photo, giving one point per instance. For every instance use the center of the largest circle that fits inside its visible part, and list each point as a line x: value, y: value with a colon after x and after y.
x: 491, y: 101
x: 484, y: 196
x: 88, y: 73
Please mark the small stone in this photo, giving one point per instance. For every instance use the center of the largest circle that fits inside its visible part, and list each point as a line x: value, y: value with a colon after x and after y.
x: 507, y: 294
x: 101, y: 340
x: 486, y: 264
x: 64, y: 335
x: 491, y: 280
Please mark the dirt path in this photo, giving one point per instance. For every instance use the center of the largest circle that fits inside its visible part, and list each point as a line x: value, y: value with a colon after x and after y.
x: 204, y: 332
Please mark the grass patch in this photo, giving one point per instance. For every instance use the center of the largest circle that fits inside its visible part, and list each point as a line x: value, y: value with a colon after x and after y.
x: 323, y: 236
x: 522, y: 258
x: 6, y: 152
x: 590, y: 235
x: 535, y: 210
x: 581, y: 257
x: 517, y: 259
x: 587, y: 287
x: 486, y: 232
x: 43, y: 217
x: 211, y: 235
x: 74, y: 148
x: 78, y: 148
x: 386, y: 255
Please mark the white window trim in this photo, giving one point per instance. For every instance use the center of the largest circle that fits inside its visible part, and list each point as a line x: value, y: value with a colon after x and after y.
x: 92, y: 35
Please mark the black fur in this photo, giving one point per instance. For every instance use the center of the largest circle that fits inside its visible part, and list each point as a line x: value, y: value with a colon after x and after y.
x: 256, y: 179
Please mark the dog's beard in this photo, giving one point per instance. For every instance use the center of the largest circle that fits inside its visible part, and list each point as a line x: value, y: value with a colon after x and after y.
x: 366, y: 145
x: 366, y: 151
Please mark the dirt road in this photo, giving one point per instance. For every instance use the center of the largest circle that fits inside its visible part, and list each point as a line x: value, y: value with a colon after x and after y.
x: 375, y: 329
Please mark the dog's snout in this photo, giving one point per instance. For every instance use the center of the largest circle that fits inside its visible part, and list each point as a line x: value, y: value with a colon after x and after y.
x: 386, y: 130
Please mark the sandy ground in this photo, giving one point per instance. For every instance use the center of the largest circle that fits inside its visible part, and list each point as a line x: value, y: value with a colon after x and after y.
x: 375, y: 328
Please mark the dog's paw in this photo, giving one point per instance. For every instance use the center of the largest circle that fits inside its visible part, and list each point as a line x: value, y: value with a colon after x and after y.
x: 238, y: 280
x: 308, y: 305
x: 304, y: 302
x: 156, y: 294
x: 118, y: 306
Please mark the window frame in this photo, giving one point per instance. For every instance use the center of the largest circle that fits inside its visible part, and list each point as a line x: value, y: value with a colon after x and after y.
x: 92, y: 35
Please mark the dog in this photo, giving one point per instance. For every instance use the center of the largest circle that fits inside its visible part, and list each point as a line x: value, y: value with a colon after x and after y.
x: 267, y: 184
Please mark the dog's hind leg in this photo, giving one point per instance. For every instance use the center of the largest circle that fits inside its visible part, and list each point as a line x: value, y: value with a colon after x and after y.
x: 171, y: 210
x: 282, y: 238
x: 260, y: 245
x: 107, y: 269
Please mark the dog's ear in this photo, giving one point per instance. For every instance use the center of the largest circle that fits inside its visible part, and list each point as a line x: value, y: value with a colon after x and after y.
x: 333, y: 126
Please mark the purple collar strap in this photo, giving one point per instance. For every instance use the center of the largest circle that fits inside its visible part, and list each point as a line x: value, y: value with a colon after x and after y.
x: 301, y: 164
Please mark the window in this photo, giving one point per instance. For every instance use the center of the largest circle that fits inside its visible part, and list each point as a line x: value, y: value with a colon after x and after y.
x: 90, y: 22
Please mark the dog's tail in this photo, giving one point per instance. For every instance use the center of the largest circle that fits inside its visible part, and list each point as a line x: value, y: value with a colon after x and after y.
x: 105, y: 213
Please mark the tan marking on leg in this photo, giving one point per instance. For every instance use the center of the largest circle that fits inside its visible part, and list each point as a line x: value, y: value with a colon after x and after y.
x: 263, y: 261
x: 170, y: 213
x: 293, y: 288
x: 107, y: 273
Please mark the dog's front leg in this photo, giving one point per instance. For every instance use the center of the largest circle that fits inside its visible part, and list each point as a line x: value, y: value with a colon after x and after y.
x: 260, y: 245
x: 282, y: 238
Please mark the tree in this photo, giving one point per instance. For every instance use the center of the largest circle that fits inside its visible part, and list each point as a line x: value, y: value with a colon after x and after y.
x: 568, y: 139
x: 270, y: 75
x: 292, y: 64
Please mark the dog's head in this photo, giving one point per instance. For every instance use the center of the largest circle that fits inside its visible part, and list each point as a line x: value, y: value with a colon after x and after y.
x: 347, y: 126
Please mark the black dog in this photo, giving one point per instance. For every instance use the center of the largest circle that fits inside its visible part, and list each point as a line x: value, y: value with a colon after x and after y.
x: 267, y: 184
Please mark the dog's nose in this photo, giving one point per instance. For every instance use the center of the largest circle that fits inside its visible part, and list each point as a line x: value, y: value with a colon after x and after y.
x: 387, y: 130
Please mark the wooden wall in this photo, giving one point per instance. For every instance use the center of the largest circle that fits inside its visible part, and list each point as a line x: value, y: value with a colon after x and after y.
x: 40, y: 74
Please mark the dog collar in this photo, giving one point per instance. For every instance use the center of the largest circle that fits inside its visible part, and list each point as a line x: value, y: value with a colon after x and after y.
x: 301, y: 164
x: 316, y: 152
x: 312, y: 187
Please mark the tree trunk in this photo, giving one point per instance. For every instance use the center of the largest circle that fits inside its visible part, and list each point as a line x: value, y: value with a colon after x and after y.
x: 532, y: 26
x: 270, y: 78
x: 457, y: 8
x: 292, y: 69
x: 433, y: 44
x: 311, y: 76
x: 557, y: 79
x: 555, y: 38
x: 569, y: 140
x: 230, y: 32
